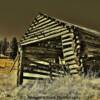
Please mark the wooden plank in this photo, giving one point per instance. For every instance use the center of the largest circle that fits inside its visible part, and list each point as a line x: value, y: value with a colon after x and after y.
x: 75, y: 66
x: 71, y: 62
x: 68, y: 53
x: 44, y: 27
x: 39, y: 29
x: 92, y: 34
x: 44, y: 68
x: 43, y: 23
x: 46, y: 32
x: 42, y: 32
x: 67, y: 35
x: 37, y: 62
x: 89, y: 37
x: 38, y: 48
x: 94, y: 51
x: 41, y: 51
x: 93, y: 42
x: 41, y: 55
x: 70, y: 57
x: 74, y: 71
x: 29, y: 41
x: 35, y: 78
x: 92, y: 45
x: 67, y: 43
x: 55, y: 31
x: 67, y: 49
x: 66, y: 40
x: 40, y: 73
x: 43, y: 20
x: 35, y: 22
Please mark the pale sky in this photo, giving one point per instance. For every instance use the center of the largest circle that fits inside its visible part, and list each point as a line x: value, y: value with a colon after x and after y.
x: 15, y: 15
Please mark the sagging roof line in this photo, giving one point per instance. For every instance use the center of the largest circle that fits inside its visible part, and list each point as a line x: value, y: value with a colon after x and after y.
x: 71, y: 24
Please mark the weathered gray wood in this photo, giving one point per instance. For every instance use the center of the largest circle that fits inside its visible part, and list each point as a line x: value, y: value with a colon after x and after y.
x: 44, y: 27
x: 20, y: 68
x: 39, y: 72
x: 93, y: 42
x: 35, y: 78
x: 44, y: 30
x: 92, y: 45
x: 29, y: 41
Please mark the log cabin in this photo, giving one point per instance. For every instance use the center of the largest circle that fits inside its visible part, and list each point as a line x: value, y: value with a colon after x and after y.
x: 51, y: 48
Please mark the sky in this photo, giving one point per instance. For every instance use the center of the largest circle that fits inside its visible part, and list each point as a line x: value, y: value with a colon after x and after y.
x: 17, y: 15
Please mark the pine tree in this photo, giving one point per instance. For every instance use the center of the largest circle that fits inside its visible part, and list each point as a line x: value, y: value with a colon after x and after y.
x: 14, y: 47
x: 4, y: 46
x: 0, y: 46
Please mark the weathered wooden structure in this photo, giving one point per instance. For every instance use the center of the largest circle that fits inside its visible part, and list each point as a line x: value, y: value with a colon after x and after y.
x: 52, y: 47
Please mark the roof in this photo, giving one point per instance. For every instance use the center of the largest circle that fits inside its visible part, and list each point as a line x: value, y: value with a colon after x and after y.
x: 28, y: 37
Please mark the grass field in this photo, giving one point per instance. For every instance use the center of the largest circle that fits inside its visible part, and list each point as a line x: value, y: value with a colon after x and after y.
x: 6, y: 65
x: 64, y: 88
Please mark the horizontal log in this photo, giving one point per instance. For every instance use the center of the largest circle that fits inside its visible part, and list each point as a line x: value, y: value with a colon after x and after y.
x: 42, y: 63
x: 67, y: 35
x: 70, y: 57
x: 66, y: 40
x: 68, y: 53
x: 93, y: 53
x: 37, y: 48
x: 43, y: 23
x: 42, y: 68
x: 92, y: 42
x: 35, y: 58
x: 49, y: 18
x: 45, y: 33
x: 89, y: 37
x: 67, y: 43
x: 38, y: 64
x: 45, y: 27
x: 67, y: 49
x: 48, y: 22
x: 41, y: 73
x: 42, y: 19
x: 25, y: 42
x: 37, y: 33
x: 35, y: 78
x: 89, y: 32
x: 41, y: 51
x: 39, y: 55
x: 40, y: 29
x: 71, y: 62
x: 35, y: 22
x: 36, y: 61
x: 74, y: 71
x: 92, y: 45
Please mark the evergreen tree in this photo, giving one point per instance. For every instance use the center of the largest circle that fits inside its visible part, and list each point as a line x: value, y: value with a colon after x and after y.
x: 14, y: 47
x: 0, y: 46
x: 4, y: 46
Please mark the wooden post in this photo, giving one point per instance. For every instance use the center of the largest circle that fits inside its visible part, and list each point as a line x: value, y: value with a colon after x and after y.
x: 20, y: 68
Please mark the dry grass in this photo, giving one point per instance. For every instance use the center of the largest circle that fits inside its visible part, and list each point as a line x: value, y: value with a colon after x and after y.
x: 64, y: 88
x: 6, y: 65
